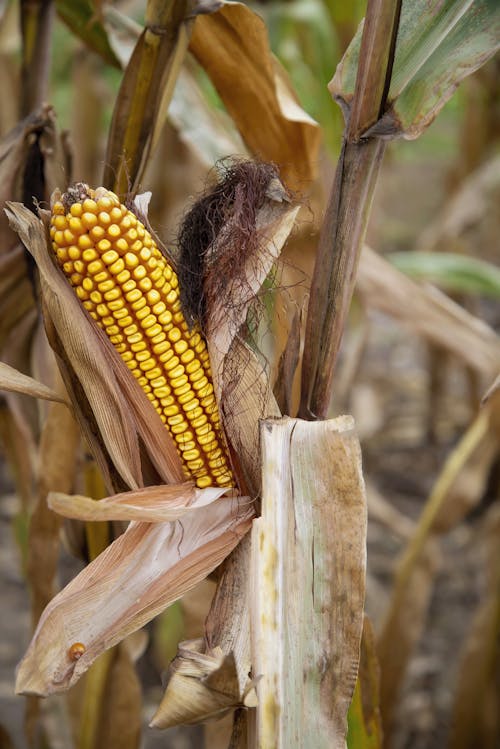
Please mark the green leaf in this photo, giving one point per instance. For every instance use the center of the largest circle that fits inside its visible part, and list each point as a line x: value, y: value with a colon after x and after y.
x: 82, y: 17
x: 439, y: 44
x: 455, y: 273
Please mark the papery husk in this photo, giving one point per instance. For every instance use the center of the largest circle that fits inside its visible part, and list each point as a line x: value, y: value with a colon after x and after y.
x: 224, y: 654
x: 136, y: 577
x: 274, y: 222
x: 245, y: 396
x: 113, y: 411
x: 240, y: 380
x: 153, y: 504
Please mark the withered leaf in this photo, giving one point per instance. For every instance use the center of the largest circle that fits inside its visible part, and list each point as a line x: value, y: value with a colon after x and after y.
x: 17, y: 382
x: 233, y: 47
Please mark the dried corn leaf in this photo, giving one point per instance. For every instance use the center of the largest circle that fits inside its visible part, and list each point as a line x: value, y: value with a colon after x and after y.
x: 17, y: 382
x: 140, y: 574
x: 308, y: 576
x: 233, y: 47
x: 428, y: 312
x: 206, y: 130
x: 154, y: 504
x: 94, y: 373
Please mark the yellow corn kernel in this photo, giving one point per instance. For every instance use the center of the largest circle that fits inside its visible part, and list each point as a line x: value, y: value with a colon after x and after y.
x: 130, y: 290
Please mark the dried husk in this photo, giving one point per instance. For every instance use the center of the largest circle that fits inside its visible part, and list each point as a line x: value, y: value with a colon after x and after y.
x: 245, y: 396
x: 158, y: 561
x: 200, y: 686
x: 153, y: 504
x: 114, y: 413
x: 136, y: 577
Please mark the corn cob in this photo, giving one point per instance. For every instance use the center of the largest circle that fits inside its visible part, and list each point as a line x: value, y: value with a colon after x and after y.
x: 128, y: 287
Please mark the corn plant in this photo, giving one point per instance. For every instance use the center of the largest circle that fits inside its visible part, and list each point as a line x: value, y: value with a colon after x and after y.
x: 149, y: 360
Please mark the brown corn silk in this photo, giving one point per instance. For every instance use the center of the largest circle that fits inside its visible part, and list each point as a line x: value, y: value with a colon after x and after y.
x: 131, y: 291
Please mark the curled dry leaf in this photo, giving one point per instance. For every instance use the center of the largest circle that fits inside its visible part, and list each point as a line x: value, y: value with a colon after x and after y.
x: 140, y: 574
x: 153, y: 504
x: 233, y: 47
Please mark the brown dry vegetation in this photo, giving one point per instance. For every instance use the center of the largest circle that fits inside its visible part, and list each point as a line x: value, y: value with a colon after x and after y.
x: 414, y: 366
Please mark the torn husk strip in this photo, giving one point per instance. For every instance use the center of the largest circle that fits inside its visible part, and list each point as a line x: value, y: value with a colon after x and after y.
x: 154, y: 504
x: 88, y: 361
x: 14, y: 381
x: 139, y: 575
x: 308, y: 582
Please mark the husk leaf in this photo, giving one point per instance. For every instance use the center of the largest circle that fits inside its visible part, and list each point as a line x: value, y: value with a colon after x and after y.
x: 136, y: 577
x: 91, y: 368
x: 154, y: 504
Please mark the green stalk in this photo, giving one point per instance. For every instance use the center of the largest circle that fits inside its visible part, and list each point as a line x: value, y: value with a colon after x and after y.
x: 348, y: 210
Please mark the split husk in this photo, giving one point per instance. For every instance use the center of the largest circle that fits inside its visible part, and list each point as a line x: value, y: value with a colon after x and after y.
x: 188, y: 532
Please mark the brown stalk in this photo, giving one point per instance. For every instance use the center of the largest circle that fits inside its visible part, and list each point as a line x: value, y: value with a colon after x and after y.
x: 145, y: 92
x: 348, y: 210
x: 36, y: 27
